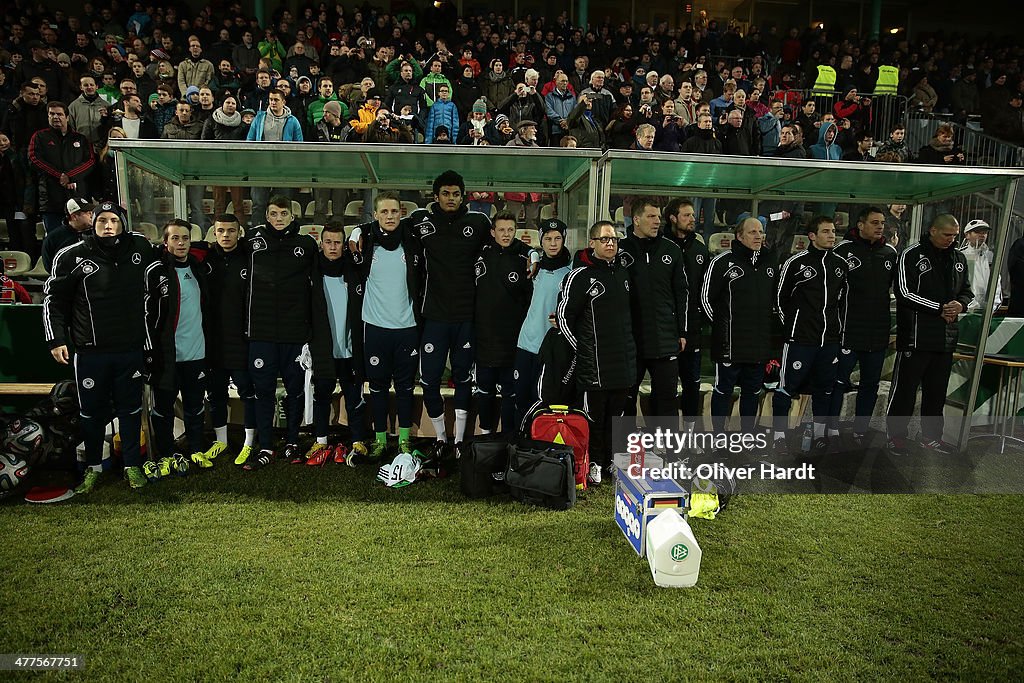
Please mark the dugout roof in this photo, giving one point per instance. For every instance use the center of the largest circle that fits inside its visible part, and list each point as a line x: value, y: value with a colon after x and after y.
x: 789, y: 179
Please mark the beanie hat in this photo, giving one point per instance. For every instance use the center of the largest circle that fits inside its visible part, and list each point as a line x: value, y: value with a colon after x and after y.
x: 373, y: 93
x: 499, y: 120
x: 480, y: 106
x: 553, y: 224
x: 191, y: 89
x: 110, y: 207
x: 332, y: 107
x: 153, y: 98
x: 304, y: 78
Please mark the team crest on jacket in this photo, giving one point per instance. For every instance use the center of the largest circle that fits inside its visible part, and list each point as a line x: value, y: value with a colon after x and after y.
x: 959, y: 267
x: 426, y: 228
x: 596, y: 290
x: 808, y: 272
x: 299, y: 252
x: 480, y: 269
x: 136, y: 258
x: 667, y: 259
x: 854, y: 262
x: 259, y: 244
x: 734, y: 272
x: 924, y: 265
x: 625, y: 258
x: 468, y: 231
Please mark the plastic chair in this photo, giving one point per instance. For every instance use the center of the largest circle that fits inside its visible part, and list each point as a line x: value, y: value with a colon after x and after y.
x: 296, y: 209
x: 720, y: 241
x: 353, y: 212
x: 38, y: 270
x: 16, y: 262
x: 312, y: 230
x: 148, y: 230
x: 547, y: 212
x: 197, y: 233
x: 310, y: 209
x: 208, y: 207
x: 800, y: 243
x: 3, y: 231
x: 40, y: 231
x: 408, y: 207
x: 620, y: 217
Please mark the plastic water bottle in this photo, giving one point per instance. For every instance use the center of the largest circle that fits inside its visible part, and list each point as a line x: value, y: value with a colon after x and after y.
x: 808, y: 438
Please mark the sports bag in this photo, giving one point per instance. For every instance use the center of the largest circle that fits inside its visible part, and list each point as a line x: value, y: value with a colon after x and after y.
x: 482, y: 470
x: 563, y: 425
x: 540, y: 473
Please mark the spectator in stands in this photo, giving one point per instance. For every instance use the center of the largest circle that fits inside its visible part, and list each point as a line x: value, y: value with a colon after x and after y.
x: 863, y: 151
x: 442, y: 113
x: 315, y: 110
x: 258, y: 97
x: 526, y: 136
x: 896, y: 144
x: 39, y: 65
x: 790, y: 143
x: 225, y: 124
x: 737, y: 139
x: 964, y: 95
x: 466, y: 91
x: 405, y: 93
x: 808, y: 119
x: 366, y: 115
x: 583, y: 125
x: 1008, y: 121
x: 246, y: 56
x: 166, y: 108
x: 720, y: 104
x: 620, y: 131
x: 63, y: 160
x: 185, y: 126
x: 923, y: 97
x: 826, y: 148
x: 524, y: 103
x: 297, y: 64
x: 226, y: 79
x: 434, y: 79
x: 686, y: 104
x: 558, y: 104
x: 668, y: 133
x: 770, y: 128
x: 271, y: 48
x: 603, y: 100
x: 388, y: 128
x: 942, y: 150
x: 194, y: 69
x: 14, y: 181
x: 497, y: 85
x: 207, y: 105
x: 87, y: 111
x: 700, y: 86
x: 25, y: 116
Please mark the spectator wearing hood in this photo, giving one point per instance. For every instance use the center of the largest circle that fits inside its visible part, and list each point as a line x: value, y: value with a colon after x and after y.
x: 826, y: 148
x: 442, y: 113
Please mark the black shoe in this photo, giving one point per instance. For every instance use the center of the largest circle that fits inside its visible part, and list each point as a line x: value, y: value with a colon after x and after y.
x: 258, y: 459
x: 819, y: 447
x: 294, y: 455
x: 937, y: 446
x: 780, y: 446
x: 897, y: 445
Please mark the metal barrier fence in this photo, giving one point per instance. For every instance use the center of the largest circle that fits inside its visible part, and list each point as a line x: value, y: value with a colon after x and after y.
x: 979, y: 148
x: 878, y: 116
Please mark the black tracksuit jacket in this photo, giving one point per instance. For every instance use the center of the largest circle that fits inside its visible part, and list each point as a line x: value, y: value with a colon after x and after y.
x: 739, y: 299
x: 871, y: 271
x: 503, y: 293
x: 659, y: 291
x: 926, y: 279
x: 812, y: 287
x: 227, y: 277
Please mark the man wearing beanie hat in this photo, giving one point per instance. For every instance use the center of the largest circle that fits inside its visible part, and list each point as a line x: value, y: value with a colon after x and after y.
x: 96, y: 299
x: 554, y: 265
x: 315, y: 110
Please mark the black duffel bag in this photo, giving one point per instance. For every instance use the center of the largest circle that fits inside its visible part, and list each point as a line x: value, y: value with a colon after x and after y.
x: 540, y: 473
x: 482, y: 469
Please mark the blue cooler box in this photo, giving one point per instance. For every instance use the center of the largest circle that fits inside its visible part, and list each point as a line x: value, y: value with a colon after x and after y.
x: 638, y: 501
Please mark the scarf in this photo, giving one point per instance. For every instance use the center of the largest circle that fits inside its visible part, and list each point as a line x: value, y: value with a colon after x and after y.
x: 387, y: 240
x: 331, y: 268
x: 223, y: 119
x: 555, y: 262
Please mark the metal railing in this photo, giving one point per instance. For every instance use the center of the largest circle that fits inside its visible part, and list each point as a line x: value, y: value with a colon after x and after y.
x: 878, y: 117
x: 979, y: 148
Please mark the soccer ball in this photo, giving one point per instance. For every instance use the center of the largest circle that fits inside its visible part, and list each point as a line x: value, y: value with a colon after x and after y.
x: 23, y: 438
x: 13, y: 470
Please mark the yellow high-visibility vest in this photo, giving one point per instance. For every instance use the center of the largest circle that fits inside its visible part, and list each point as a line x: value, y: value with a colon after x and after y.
x: 826, y: 83
x: 888, y: 80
